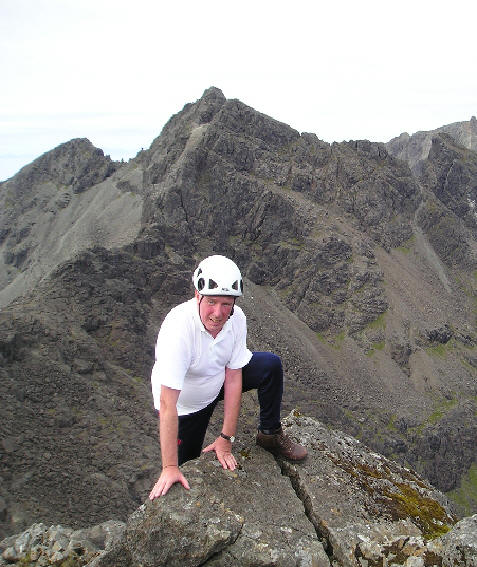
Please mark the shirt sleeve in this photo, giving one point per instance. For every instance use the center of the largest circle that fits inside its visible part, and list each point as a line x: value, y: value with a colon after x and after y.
x: 173, y: 356
x: 241, y: 355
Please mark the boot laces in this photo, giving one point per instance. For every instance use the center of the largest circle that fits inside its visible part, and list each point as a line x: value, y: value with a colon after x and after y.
x: 285, y: 441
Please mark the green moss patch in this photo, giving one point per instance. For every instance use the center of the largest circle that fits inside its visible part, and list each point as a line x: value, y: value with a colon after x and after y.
x: 440, y: 410
x: 426, y: 513
x: 338, y: 341
x: 407, y: 246
x: 399, y: 500
x: 378, y: 323
x: 376, y: 346
x: 320, y: 337
x: 439, y: 350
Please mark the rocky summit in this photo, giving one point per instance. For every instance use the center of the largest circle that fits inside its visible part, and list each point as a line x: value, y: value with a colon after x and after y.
x: 359, y: 262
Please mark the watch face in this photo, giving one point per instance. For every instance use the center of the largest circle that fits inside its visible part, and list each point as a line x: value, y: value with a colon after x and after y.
x: 232, y: 438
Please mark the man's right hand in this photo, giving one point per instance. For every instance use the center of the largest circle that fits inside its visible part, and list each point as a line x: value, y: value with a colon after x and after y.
x: 169, y: 476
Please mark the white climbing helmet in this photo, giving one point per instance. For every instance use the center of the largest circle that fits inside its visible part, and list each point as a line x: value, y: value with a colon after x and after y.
x: 217, y: 275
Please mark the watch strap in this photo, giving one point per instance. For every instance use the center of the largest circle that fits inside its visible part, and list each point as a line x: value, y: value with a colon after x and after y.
x: 230, y: 438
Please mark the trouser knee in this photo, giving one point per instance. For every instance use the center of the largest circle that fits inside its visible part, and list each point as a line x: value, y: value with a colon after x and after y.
x: 275, y: 366
x: 264, y: 373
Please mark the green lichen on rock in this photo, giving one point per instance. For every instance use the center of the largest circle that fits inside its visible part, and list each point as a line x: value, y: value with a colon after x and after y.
x: 398, y: 499
x: 426, y: 513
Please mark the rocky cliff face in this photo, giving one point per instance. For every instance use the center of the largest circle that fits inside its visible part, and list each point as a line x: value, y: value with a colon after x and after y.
x: 359, y: 273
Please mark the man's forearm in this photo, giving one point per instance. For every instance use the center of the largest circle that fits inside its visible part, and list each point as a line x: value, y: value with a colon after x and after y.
x: 168, y: 430
x: 232, y: 401
x: 168, y: 427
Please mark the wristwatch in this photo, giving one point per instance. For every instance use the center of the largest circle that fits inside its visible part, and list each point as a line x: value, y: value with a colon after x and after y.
x: 230, y: 438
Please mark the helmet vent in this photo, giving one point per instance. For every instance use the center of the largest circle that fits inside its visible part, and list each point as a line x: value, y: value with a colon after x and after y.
x: 218, y: 275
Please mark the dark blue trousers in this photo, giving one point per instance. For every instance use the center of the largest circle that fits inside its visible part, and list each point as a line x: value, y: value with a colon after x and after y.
x: 263, y: 373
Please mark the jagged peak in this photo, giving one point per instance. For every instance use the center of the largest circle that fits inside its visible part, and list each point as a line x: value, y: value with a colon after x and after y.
x: 213, y: 93
x: 76, y: 162
x: 74, y: 145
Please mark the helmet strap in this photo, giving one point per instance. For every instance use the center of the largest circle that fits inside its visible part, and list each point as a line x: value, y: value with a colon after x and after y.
x: 200, y: 301
x: 233, y: 306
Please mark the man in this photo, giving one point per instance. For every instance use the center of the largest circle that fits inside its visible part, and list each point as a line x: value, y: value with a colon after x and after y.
x: 201, y: 358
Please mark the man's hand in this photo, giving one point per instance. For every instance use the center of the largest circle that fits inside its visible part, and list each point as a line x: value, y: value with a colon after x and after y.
x: 223, y: 450
x: 169, y: 476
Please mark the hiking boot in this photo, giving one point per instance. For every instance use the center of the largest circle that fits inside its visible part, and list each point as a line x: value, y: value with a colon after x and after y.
x: 281, y: 445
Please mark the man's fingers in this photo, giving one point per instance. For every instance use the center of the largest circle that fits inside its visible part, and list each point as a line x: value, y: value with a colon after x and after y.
x: 221, y: 459
x: 227, y: 460
x: 156, y: 491
x: 162, y: 486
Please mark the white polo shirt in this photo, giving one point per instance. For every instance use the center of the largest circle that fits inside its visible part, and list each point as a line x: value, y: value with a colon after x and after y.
x: 189, y: 359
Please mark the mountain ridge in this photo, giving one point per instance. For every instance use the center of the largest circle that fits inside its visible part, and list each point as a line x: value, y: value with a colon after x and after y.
x: 359, y: 274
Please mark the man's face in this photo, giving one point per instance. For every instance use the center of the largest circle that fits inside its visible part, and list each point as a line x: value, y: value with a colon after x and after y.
x: 214, y: 310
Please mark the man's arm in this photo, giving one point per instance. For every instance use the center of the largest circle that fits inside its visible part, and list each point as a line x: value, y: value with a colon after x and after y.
x: 232, y: 400
x: 168, y: 428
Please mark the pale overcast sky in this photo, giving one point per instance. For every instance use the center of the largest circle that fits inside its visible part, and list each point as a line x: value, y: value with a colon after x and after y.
x: 114, y: 71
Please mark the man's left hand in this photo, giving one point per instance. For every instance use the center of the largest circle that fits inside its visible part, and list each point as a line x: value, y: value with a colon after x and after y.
x: 223, y: 450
